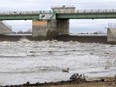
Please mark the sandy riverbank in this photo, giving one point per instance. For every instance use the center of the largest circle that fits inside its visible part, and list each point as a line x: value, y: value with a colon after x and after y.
x: 99, y: 82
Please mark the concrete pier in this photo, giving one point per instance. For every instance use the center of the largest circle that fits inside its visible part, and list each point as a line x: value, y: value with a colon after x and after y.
x: 111, y: 35
x: 63, y: 26
x: 5, y: 29
x: 49, y: 29
x: 44, y: 29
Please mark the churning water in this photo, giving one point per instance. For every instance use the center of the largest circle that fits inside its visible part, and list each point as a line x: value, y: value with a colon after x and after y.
x: 40, y: 61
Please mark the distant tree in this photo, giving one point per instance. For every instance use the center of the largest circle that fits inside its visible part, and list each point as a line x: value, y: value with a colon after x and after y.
x: 98, y: 32
x: 28, y: 31
x: 13, y: 32
x: 95, y: 33
x: 20, y: 32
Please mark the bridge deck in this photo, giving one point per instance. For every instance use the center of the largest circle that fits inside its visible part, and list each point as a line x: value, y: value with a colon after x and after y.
x: 23, y: 15
x: 88, y: 14
x: 77, y: 14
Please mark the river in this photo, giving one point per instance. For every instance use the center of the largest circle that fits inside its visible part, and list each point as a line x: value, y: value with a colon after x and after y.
x: 43, y: 61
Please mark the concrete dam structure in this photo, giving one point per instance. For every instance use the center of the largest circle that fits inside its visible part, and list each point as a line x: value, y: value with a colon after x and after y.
x: 5, y: 29
x: 49, y: 24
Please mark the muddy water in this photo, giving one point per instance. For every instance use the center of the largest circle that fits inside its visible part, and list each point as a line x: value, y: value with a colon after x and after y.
x: 34, y: 61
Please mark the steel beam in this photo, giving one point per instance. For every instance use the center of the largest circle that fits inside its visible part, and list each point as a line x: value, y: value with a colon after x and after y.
x: 19, y: 17
x: 86, y: 16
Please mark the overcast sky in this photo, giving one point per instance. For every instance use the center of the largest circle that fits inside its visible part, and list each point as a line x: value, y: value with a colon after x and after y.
x: 76, y: 26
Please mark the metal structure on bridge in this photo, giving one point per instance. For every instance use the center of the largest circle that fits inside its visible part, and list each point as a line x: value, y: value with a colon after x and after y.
x: 88, y: 14
x: 55, y: 13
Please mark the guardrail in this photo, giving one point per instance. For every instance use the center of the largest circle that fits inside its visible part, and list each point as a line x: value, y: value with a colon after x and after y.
x: 63, y: 11
x: 25, y: 12
x: 87, y: 11
x: 96, y: 11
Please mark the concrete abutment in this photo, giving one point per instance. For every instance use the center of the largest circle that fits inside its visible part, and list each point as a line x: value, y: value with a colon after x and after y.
x: 49, y: 29
x: 111, y: 35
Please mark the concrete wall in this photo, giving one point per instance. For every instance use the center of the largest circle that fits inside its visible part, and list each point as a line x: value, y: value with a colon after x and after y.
x: 111, y: 35
x: 45, y: 29
x: 52, y: 29
x: 4, y: 29
x: 39, y: 28
x: 48, y: 29
x: 63, y: 26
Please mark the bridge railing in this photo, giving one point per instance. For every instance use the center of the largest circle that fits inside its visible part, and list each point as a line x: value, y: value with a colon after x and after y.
x: 96, y: 11
x: 89, y: 11
x: 63, y: 11
x: 25, y: 12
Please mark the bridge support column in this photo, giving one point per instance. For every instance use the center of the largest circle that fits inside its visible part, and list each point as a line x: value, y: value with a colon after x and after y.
x: 44, y: 29
x: 48, y: 29
x: 111, y: 35
x: 63, y: 26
